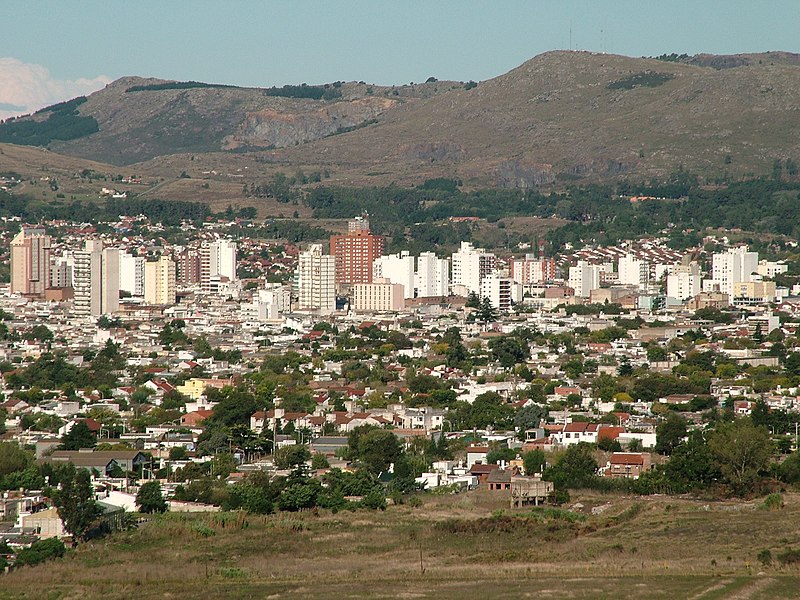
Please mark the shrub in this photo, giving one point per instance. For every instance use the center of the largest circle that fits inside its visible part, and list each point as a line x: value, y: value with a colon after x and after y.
x: 41, y: 551
x: 765, y: 557
x: 789, y: 556
x: 772, y: 502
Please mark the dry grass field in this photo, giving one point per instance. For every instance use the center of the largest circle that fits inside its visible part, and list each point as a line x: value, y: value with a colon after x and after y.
x: 464, y: 546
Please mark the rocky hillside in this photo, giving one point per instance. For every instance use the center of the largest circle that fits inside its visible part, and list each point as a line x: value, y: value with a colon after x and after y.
x: 560, y: 117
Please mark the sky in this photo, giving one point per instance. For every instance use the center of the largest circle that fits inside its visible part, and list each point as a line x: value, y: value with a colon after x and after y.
x: 52, y: 50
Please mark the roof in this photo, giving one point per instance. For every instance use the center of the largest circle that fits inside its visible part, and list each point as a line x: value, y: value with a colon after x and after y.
x: 499, y: 476
x: 627, y: 458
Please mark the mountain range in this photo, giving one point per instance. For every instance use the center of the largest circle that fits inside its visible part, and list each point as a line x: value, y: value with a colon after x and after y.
x: 560, y: 117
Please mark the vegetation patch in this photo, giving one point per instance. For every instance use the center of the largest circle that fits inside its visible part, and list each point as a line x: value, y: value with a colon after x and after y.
x: 175, y: 85
x: 645, y: 79
x: 63, y: 123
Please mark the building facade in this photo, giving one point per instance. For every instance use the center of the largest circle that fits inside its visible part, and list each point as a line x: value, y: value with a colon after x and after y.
x: 355, y: 252
x: 316, y: 274
x: 30, y: 262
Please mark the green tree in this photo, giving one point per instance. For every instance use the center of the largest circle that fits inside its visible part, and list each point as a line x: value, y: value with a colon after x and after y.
x: 289, y: 457
x: 487, y: 313
x: 534, y: 461
x: 670, y: 433
x: 149, y: 498
x: 508, y: 350
x: 76, y: 504
x: 529, y: 417
x: 40, y: 551
x: 13, y: 458
x: 575, y: 468
x: 375, y: 448
x: 742, y: 451
x: 80, y: 436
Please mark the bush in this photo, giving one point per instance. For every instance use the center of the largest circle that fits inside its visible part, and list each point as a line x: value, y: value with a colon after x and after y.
x: 765, y: 557
x: 789, y: 556
x: 41, y: 551
x: 772, y: 502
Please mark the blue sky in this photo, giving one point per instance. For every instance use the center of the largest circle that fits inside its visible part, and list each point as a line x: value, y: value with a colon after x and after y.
x: 264, y: 43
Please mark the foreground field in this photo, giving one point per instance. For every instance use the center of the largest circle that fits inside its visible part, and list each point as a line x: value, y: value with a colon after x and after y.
x: 465, y: 546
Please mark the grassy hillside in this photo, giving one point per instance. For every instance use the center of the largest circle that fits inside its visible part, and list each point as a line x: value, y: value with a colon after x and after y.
x: 451, y: 547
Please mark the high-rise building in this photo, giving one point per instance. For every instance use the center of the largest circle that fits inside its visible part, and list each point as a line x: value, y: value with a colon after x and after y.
x: 433, y: 276
x: 30, y: 262
x: 502, y: 292
x: 397, y: 268
x: 530, y: 269
x: 470, y: 266
x: 131, y: 274
x: 96, y: 280
x: 683, y: 281
x: 378, y: 296
x: 159, y: 281
x: 355, y: 252
x: 61, y: 271
x: 633, y: 271
x: 316, y: 287
x: 217, y: 259
x: 737, y: 265
x: 189, y: 266
x: 583, y: 278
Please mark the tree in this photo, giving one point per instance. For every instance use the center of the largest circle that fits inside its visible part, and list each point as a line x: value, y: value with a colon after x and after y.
x: 13, y: 458
x: 508, y: 351
x: 530, y: 416
x: 375, y: 448
x: 150, y: 499
x: 670, y: 433
x: 319, y: 461
x: 742, y: 451
x: 289, y: 457
x: 178, y: 453
x: 487, y: 313
x: 76, y: 504
x: 40, y: 551
x: 575, y: 468
x: 534, y: 461
x: 473, y: 301
x: 80, y: 436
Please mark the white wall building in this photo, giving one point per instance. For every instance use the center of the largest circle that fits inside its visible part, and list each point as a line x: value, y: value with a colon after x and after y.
x: 269, y: 304
x: 397, y: 268
x: 683, y: 281
x: 131, y: 274
x: 530, y: 269
x: 96, y: 280
x: 433, y: 276
x: 737, y: 265
x: 502, y: 292
x: 470, y: 266
x: 583, y: 278
x: 316, y: 272
x: 633, y: 271
x: 217, y: 259
x: 770, y: 268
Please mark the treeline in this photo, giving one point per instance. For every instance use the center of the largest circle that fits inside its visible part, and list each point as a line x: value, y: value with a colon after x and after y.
x: 312, y: 92
x: 175, y: 85
x: 63, y: 123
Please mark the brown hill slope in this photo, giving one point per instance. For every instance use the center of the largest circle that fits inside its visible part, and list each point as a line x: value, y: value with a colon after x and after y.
x: 559, y: 117
x: 576, y: 114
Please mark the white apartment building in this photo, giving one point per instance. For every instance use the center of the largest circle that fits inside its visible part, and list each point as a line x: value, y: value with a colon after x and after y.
x: 268, y: 304
x: 583, y: 278
x: 379, y: 296
x: 633, y: 271
x: 502, y: 292
x: 159, y: 281
x: 316, y: 288
x: 433, y: 276
x: 217, y: 259
x: 770, y: 268
x: 131, y: 274
x: 470, y: 266
x: 397, y: 268
x: 737, y: 265
x: 96, y: 280
x: 683, y: 281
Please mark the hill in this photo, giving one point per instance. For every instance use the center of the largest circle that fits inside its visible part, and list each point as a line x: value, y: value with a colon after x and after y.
x: 559, y: 118
x: 467, y: 545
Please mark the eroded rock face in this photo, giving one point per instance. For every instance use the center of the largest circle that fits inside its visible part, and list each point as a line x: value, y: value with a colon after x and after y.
x: 278, y: 129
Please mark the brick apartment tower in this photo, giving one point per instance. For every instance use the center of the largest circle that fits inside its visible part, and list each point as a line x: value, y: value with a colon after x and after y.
x: 355, y: 251
x: 30, y: 262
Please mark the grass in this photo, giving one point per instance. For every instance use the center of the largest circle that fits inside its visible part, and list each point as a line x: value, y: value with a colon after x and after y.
x: 452, y: 546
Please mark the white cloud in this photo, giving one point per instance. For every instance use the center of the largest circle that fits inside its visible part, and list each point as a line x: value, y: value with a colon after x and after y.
x: 25, y: 88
